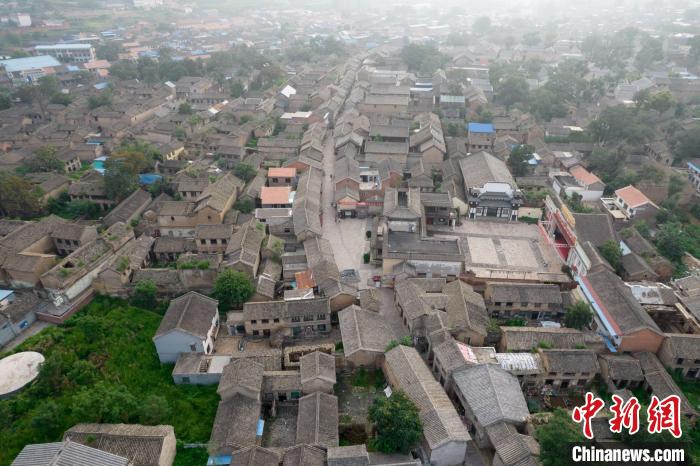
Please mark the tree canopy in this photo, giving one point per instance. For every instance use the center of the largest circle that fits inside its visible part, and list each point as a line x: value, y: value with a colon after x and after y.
x: 425, y: 58
x: 518, y: 159
x: 232, y: 288
x: 555, y: 436
x: 578, y: 315
x: 397, y: 422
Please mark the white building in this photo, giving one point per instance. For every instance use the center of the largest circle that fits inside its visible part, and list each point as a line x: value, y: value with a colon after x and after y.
x: 79, y: 53
x: 190, y: 324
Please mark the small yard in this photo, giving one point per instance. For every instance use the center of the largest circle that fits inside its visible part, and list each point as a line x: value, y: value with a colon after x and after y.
x: 356, y: 391
x: 101, y: 366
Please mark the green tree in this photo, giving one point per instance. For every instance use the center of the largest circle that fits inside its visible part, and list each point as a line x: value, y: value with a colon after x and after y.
x: 518, y: 159
x: 119, y: 178
x: 397, y: 422
x: 481, y: 25
x: 651, y: 52
x: 103, y: 99
x: 236, y: 89
x: 245, y: 171
x: 425, y: 58
x: 43, y: 160
x: 555, y: 436
x: 18, y: 197
x: 672, y: 241
x: 545, y: 105
x: 184, y: 109
x: 104, y: 402
x: 687, y: 144
x: 83, y: 209
x: 244, y: 206
x: 109, y: 51
x: 612, y: 253
x: 512, y: 90
x: 145, y: 294
x: 154, y: 411
x: 578, y: 315
x: 232, y: 288
x: 61, y: 99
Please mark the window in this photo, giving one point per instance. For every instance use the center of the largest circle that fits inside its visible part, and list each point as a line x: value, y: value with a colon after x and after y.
x: 59, y: 240
x: 295, y: 319
x: 274, y: 180
x: 537, y: 305
x: 256, y: 333
x: 321, y: 327
x: 497, y: 303
x: 308, y: 318
x: 276, y: 320
x: 172, y: 219
x: 509, y: 304
x: 185, y: 380
x: 265, y: 321
x: 203, y: 241
x: 208, y: 217
x: 679, y: 360
x: 223, y: 241
x: 213, y: 241
x: 253, y: 321
x: 321, y: 317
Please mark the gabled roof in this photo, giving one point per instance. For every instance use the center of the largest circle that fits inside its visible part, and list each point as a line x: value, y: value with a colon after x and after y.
x: 304, y: 455
x: 141, y: 445
x: 191, y: 313
x: 255, y: 456
x: 482, y: 167
x: 441, y: 423
x: 317, y: 365
x: 492, y: 394
x: 317, y: 420
x: 242, y: 373
x: 363, y: 330
x: 395, y: 208
x: 465, y: 308
x: 633, y: 197
x: 66, y: 454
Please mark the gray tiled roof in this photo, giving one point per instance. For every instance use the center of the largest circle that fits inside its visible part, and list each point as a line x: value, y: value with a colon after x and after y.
x: 525, y: 293
x: 363, y: 331
x: 141, y: 445
x: 317, y: 365
x: 317, y: 420
x: 66, y: 454
x: 481, y: 168
x: 441, y: 423
x: 255, y: 456
x: 492, y: 394
x: 569, y: 360
x: 244, y: 373
x: 191, y: 313
x: 235, y: 425
x: 304, y: 455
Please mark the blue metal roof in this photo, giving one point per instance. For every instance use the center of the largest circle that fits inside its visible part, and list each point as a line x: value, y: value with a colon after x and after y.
x: 29, y: 63
x: 480, y: 128
x: 5, y: 293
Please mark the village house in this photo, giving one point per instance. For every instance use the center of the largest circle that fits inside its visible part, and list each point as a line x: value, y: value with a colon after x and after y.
x: 293, y: 318
x: 487, y: 396
x: 17, y: 313
x: 66, y: 451
x: 632, y: 204
x: 212, y: 239
x: 243, y: 249
x: 190, y: 324
x: 115, y: 278
x: 276, y: 197
x: 281, y: 176
x: 490, y: 188
x: 129, y: 209
x: 317, y: 372
x: 681, y: 353
x: 317, y: 420
x: 141, y: 445
x: 658, y: 382
x: 365, y: 336
x: 480, y: 137
x: 444, y: 440
x: 531, y: 301
x: 568, y: 368
x: 620, y: 371
x: 523, y: 339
